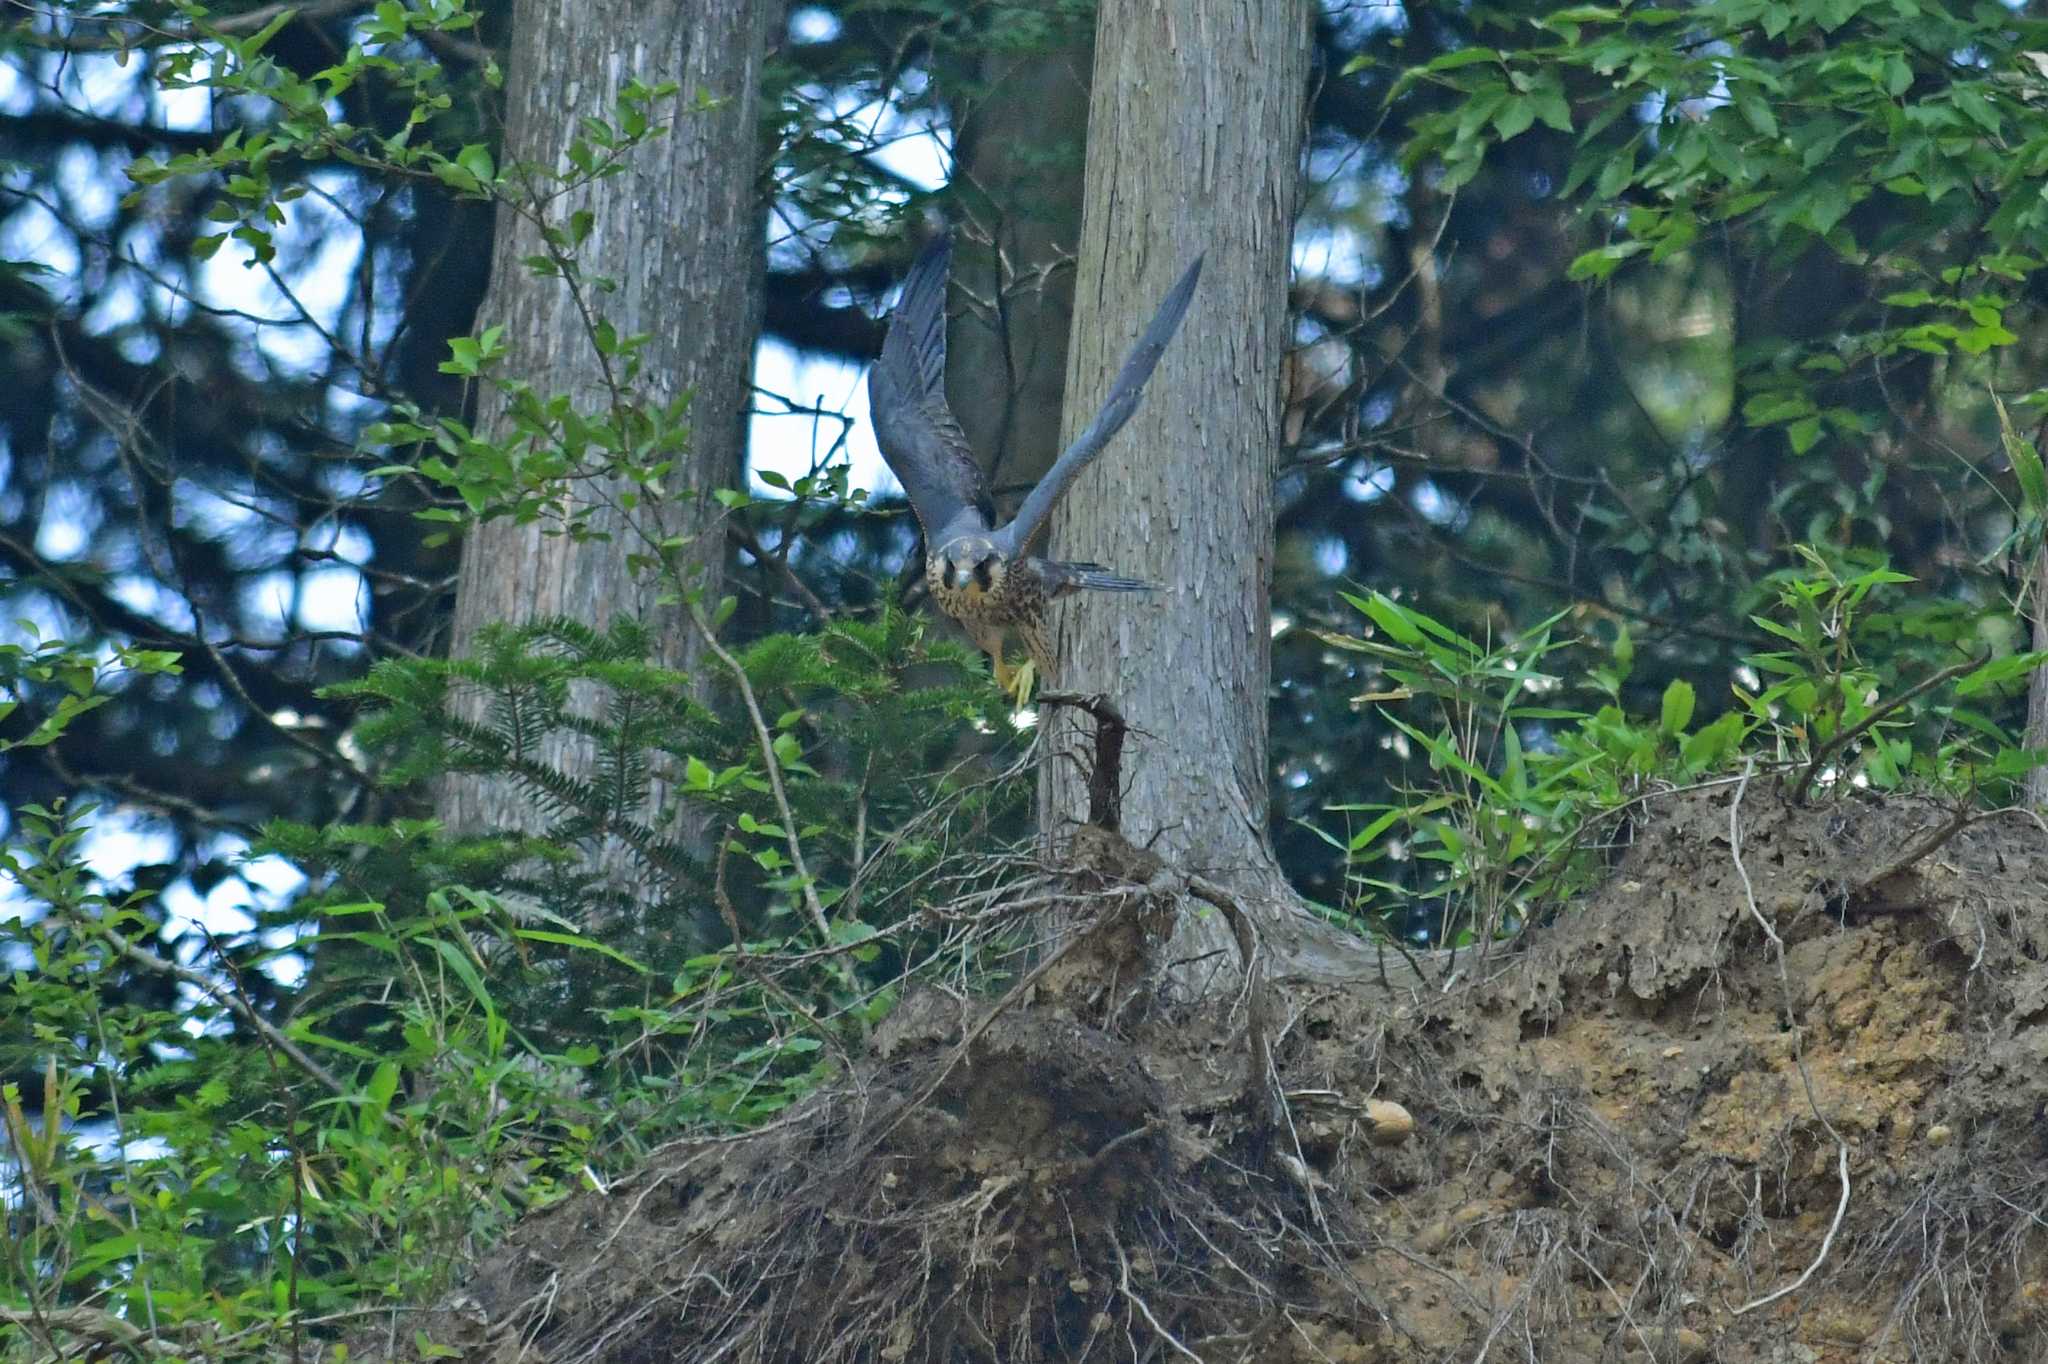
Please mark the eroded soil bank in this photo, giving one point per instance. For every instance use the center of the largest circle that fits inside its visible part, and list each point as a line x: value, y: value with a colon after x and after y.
x: 1761, y: 1097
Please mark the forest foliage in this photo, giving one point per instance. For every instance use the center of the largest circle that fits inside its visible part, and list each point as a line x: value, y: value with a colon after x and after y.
x: 1664, y: 408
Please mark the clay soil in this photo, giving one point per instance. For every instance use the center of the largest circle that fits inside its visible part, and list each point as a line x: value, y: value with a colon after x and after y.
x: 1765, y: 1095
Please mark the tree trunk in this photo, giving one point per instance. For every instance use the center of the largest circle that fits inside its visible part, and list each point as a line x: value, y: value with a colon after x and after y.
x: 1018, y: 177
x: 1193, y: 139
x: 680, y: 232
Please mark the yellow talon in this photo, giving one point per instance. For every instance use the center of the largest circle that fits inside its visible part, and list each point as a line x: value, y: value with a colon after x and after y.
x: 1025, y: 676
x: 1016, y: 682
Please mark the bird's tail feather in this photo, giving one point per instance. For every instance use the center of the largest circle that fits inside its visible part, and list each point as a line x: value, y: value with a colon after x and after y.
x: 1096, y: 578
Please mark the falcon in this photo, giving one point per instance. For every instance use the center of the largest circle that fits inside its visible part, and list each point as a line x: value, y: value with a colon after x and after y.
x: 978, y: 573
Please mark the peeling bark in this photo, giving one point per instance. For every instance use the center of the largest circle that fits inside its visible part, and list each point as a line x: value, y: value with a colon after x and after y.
x: 680, y: 233
x: 1194, y: 134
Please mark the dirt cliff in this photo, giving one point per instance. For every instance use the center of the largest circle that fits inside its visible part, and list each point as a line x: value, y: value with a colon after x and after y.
x: 1773, y: 1094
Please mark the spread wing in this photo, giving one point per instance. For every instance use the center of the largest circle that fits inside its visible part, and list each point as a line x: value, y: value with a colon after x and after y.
x: 923, y: 445
x: 1116, y: 410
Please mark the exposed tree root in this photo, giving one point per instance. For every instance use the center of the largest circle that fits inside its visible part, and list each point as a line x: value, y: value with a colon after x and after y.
x: 1630, y: 1141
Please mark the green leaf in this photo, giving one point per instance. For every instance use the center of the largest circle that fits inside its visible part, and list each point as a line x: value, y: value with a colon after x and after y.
x: 1970, y: 99
x: 464, y: 356
x: 465, y: 970
x: 1677, y: 708
x: 2000, y: 670
x: 1977, y: 340
x: 249, y: 48
x: 1756, y: 112
x: 1464, y: 56
x: 1599, y: 263
x: 1616, y: 174
x: 1514, y: 118
x: 581, y: 944
x: 1706, y: 748
x: 383, y: 1084
x: 1369, y: 835
x: 1389, y: 616
x: 2026, y: 462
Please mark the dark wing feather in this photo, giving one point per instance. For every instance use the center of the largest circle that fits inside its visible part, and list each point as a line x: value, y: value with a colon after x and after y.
x: 924, y: 446
x: 1116, y: 410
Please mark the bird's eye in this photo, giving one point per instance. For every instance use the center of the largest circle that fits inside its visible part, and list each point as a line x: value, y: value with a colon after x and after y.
x: 981, y: 574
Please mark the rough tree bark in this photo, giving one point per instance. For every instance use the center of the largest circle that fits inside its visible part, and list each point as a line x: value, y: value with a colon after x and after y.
x: 1193, y: 140
x: 680, y: 232
x: 1018, y: 176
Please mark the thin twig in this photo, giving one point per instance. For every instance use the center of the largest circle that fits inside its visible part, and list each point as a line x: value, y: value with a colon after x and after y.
x: 1138, y: 1302
x: 1962, y: 819
x: 1826, y: 1244
x: 150, y: 961
x: 1105, y: 777
x: 766, y: 741
x: 1798, y: 1052
x: 1798, y: 790
x: 743, y: 537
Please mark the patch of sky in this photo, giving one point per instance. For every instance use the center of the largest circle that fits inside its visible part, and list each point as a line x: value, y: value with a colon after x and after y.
x: 91, y: 183
x: 788, y: 435
x: 146, y: 596
x: 33, y: 616
x: 260, y: 885
x: 1368, y: 482
x: 117, y: 842
x: 1439, y: 507
x: 115, y: 310
x: 813, y: 24
x: 71, y: 516
x: 113, y: 845
x: 17, y: 91
x: 187, y: 108
x: 1337, y: 255
x: 1353, y: 21
x: 250, y: 531
x: 32, y: 234
x: 330, y: 597
x: 318, y: 248
x: 794, y: 442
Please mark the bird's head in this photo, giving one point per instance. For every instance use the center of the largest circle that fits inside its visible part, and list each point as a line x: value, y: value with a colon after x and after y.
x: 970, y: 561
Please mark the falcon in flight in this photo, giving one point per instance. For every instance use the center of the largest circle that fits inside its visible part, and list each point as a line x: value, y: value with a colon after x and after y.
x: 978, y: 574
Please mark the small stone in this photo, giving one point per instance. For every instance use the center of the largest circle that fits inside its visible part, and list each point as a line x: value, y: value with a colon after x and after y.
x: 1691, y: 1347
x: 1387, y: 1123
x: 1939, y: 1134
x: 1840, y: 1330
